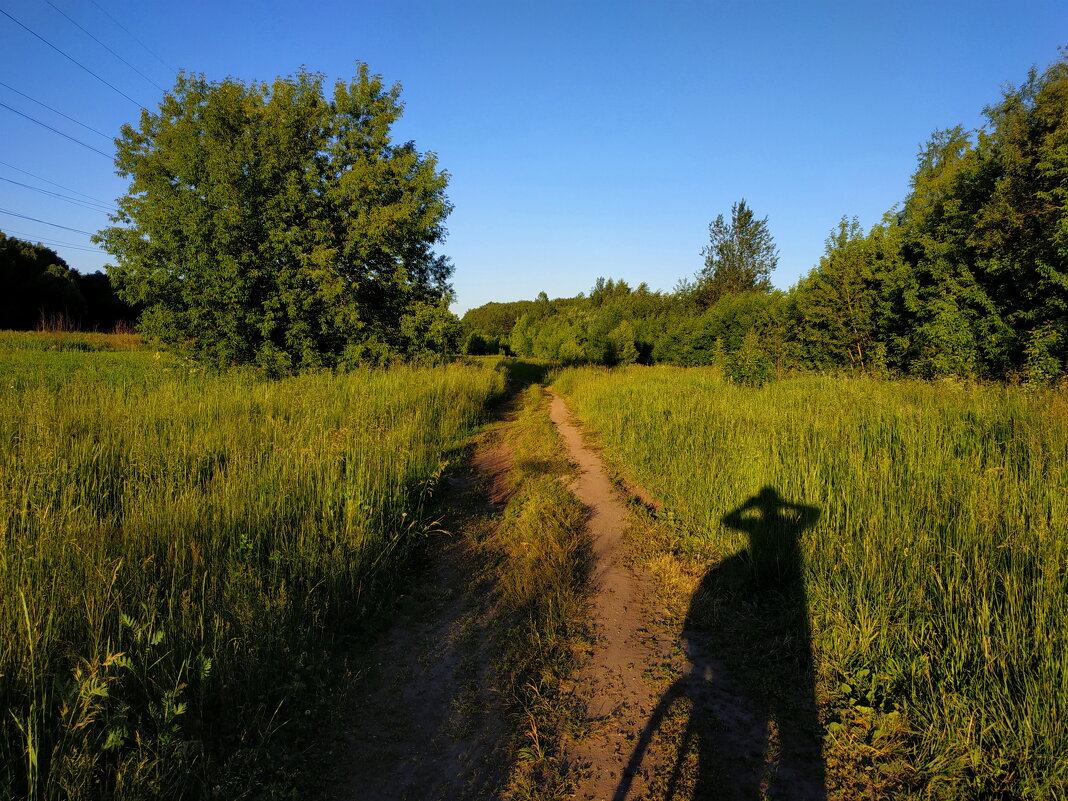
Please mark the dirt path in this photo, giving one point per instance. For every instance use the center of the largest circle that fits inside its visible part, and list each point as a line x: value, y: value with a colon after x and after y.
x: 665, y: 717
x: 426, y: 724
x: 614, y: 684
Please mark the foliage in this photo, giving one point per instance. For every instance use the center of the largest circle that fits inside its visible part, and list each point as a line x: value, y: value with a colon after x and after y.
x: 104, y: 309
x: 180, y: 547
x: 41, y: 291
x: 496, y: 319
x: 750, y: 365
x: 967, y: 278
x: 478, y: 345
x: 38, y: 285
x: 1041, y: 365
x: 835, y: 305
x: 275, y: 224
x: 740, y: 256
x: 431, y: 330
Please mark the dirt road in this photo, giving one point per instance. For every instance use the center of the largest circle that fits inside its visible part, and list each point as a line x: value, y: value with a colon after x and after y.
x: 666, y: 718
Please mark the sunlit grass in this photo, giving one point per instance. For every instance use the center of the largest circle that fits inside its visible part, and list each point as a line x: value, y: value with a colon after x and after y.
x: 175, y: 544
x: 542, y: 552
x: 937, y: 575
x: 81, y: 341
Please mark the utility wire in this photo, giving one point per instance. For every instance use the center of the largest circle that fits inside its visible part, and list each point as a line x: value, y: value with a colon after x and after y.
x: 45, y: 222
x: 83, y: 203
x: 35, y: 240
x: 54, y: 130
x: 71, y: 58
x: 53, y: 183
x: 120, y: 58
x: 128, y: 33
x: 55, y: 111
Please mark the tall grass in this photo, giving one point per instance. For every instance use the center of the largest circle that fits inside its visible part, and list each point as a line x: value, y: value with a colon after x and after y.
x: 543, y: 553
x: 60, y: 340
x: 175, y: 545
x: 937, y: 575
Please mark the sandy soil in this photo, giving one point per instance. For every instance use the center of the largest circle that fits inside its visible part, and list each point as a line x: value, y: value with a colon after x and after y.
x: 613, y: 683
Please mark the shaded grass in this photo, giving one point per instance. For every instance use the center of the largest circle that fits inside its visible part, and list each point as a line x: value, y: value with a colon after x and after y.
x: 177, y: 547
x: 936, y: 577
x: 540, y: 555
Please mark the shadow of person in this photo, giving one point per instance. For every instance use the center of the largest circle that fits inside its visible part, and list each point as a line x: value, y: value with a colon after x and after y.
x: 741, y: 723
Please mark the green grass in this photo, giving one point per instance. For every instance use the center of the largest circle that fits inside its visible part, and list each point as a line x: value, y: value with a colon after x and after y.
x: 177, y: 546
x: 79, y: 341
x: 540, y: 554
x: 936, y: 575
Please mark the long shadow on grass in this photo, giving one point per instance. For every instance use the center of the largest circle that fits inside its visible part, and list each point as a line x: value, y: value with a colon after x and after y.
x: 744, y: 715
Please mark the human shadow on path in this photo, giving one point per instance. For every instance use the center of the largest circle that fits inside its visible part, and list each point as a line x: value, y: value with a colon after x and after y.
x: 746, y: 706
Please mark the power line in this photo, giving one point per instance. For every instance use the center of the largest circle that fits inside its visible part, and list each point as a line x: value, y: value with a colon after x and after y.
x: 74, y: 60
x: 36, y: 240
x: 93, y: 206
x: 54, y: 130
x: 146, y: 47
x: 120, y: 58
x: 52, y: 183
x: 55, y: 111
x: 45, y: 222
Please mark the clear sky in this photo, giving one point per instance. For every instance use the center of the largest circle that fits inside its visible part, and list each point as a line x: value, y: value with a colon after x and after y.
x: 584, y: 139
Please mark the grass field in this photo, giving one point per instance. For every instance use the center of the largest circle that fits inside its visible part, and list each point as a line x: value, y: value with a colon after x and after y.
x: 80, y: 341
x: 180, y: 549
x: 177, y: 547
x: 936, y: 574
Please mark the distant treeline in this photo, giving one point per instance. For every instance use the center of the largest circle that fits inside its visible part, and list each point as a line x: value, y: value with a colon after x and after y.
x: 967, y: 277
x: 42, y: 291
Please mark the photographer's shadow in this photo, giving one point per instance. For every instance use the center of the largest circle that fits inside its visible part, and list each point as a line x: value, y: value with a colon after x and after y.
x: 749, y: 695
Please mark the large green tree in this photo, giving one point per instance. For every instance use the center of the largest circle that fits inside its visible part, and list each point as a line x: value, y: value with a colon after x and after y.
x: 739, y: 257
x: 277, y: 224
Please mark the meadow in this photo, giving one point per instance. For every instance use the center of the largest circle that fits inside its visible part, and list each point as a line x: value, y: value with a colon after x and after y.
x: 936, y: 574
x: 178, y: 547
x: 181, y: 549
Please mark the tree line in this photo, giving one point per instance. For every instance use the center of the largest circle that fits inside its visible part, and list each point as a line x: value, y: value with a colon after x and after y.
x: 967, y: 277
x: 42, y: 291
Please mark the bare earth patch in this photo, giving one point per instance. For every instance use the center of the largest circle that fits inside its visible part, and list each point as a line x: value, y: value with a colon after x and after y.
x: 617, y: 694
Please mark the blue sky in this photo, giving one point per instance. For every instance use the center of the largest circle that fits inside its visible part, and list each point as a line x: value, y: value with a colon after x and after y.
x: 583, y: 139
